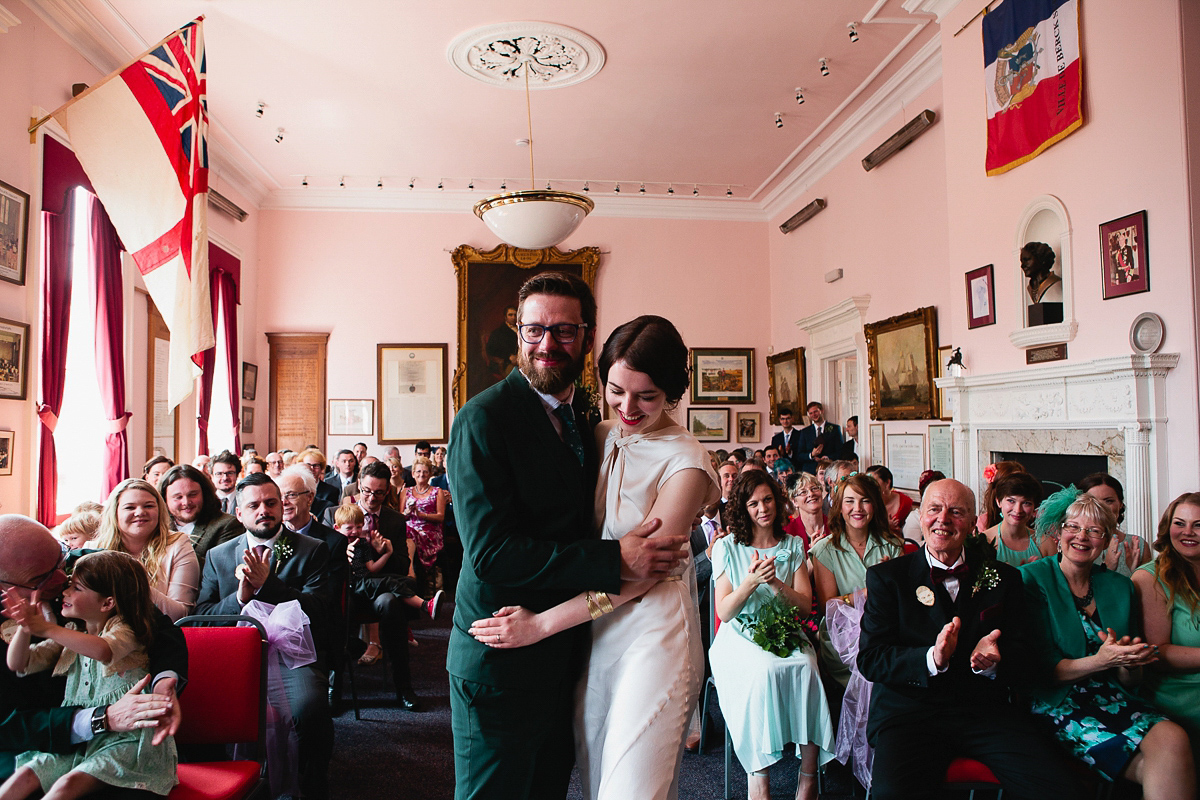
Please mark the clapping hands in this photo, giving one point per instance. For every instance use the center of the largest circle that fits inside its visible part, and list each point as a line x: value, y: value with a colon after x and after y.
x: 34, y: 616
x: 761, y: 572
x: 252, y: 573
x: 1126, y: 652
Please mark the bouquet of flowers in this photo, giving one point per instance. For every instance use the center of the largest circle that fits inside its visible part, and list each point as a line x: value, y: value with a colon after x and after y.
x: 778, y: 627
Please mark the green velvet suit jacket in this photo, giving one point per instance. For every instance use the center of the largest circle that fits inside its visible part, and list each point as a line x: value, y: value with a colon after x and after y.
x: 524, y: 509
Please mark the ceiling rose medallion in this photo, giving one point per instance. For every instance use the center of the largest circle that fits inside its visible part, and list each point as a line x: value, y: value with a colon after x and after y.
x: 529, y: 55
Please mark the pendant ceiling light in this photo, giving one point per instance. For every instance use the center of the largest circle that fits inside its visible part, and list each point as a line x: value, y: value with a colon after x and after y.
x: 552, y: 55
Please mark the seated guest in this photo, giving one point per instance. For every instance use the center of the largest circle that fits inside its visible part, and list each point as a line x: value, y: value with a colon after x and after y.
x: 808, y: 500
x: 1169, y: 591
x: 155, y: 468
x: 833, y: 476
x: 781, y: 471
x: 200, y: 462
x: 195, y: 510
x: 944, y: 639
x: 767, y: 700
x: 899, y: 505
x: 989, y: 511
x: 1016, y: 497
x: 135, y: 521
x: 912, y: 527
x: 1125, y: 553
x: 327, y: 496
x: 1085, y: 626
x: 368, y: 553
x: 78, y: 530
x: 225, y: 469
x: 274, y: 565
x: 254, y: 464
x: 274, y: 464
x: 425, y: 507
x: 859, y: 537
x: 30, y: 713
x: 346, y: 471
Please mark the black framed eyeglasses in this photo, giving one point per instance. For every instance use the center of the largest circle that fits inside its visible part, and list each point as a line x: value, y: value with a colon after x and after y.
x: 374, y: 492
x: 40, y: 581
x: 563, y: 333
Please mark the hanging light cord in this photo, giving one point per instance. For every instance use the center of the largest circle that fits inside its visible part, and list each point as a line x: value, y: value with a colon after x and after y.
x: 529, y: 119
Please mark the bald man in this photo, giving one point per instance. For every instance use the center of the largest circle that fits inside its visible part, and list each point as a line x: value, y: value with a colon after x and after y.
x: 32, y: 566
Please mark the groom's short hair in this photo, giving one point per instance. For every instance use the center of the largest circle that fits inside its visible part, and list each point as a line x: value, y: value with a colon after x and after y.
x: 563, y: 284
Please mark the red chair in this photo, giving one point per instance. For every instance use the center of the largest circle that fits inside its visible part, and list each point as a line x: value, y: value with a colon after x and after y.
x: 969, y: 775
x: 224, y: 702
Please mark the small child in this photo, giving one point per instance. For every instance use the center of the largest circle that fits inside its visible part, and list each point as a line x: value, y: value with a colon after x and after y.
x: 371, y: 552
x: 78, y: 529
x: 110, y: 593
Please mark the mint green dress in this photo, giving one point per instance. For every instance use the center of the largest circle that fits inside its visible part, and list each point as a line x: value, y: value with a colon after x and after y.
x: 1012, y: 557
x: 1178, y: 693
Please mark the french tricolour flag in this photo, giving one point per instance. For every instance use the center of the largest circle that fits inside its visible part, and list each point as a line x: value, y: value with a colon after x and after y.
x: 1033, y: 76
x: 141, y: 136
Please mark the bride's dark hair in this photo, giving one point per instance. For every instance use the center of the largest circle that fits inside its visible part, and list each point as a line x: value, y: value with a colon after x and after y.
x: 651, y: 345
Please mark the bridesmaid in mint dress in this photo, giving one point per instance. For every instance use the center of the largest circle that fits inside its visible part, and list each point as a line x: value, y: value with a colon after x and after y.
x: 1170, y: 600
x: 767, y: 701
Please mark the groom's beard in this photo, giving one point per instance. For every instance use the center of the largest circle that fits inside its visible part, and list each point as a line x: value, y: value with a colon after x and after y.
x: 551, y: 380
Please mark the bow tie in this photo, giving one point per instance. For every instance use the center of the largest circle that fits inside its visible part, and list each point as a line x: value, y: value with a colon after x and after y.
x: 940, y: 575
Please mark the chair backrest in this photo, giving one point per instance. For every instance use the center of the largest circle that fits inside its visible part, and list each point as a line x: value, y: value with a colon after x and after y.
x: 225, y: 698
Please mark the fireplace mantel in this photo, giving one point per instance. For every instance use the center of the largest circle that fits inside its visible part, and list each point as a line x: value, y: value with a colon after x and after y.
x: 1115, y: 406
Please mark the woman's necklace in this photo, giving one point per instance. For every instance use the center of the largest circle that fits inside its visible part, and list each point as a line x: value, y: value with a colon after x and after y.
x: 1083, y: 602
x: 417, y: 491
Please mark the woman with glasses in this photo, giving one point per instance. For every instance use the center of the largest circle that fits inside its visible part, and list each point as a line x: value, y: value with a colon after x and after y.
x: 808, y: 498
x: 1086, y: 626
x: 135, y: 521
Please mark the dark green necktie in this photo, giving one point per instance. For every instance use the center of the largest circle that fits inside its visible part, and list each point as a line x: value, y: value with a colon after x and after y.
x: 570, y: 433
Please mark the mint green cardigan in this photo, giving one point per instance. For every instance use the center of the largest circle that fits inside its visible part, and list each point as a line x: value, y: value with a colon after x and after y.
x: 1055, y: 621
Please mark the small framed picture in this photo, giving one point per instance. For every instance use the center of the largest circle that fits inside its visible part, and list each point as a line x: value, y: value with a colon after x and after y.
x: 1124, y: 256
x: 249, y: 381
x: 14, y: 359
x: 351, y: 418
x: 709, y: 424
x: 723, y: 375
x: 14, y: 234
x: 981, y: 297
x: 876, y: 451
x: 748, y: 425
x: 6, y: 452
x: 247, y: 419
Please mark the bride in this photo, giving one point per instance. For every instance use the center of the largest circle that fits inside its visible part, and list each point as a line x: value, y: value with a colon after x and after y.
x: 646, y: 667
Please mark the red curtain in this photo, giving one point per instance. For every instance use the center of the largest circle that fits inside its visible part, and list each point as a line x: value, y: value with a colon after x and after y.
x: 105, y: 270
x: 56, y: 318
x: 224, y: 280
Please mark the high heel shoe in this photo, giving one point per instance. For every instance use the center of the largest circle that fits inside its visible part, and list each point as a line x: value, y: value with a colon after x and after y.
x: 373, y: 654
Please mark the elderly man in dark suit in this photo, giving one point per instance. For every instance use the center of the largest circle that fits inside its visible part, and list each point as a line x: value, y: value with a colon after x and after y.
x: 195, y: 509
x: 522, y: 466
x: 274, y: 565
x: 32, y: 562
x: 944, y: 639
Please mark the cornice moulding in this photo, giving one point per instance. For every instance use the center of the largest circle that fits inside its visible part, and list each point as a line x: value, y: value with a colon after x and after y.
x: 835, y: 314
x: 7, y: 20
x: 939, y: 8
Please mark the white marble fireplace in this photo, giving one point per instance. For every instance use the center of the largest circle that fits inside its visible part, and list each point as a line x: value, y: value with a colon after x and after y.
x: 1113, y: 407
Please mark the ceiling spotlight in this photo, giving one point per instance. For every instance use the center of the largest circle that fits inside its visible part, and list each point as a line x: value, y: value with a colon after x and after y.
x: 279, y: 137
x: 411, y: 182
x: 853, y: 26
x: 380, y: 184
x: 695, y: 191
x: 586, y: 188
x: 305, y: 181
x: 548, y: 189
x: 504, y: 185
x: 617, y: 190
x: 261, y: 108
x: 824, y: 67
x: 643, y: 189
x: 439, y: 185
x: 799, y: 96
x: 670, y: 190
x: 471, y: 184
x: 342, y: 183
x: 729, y: 192
x: 778, y: 120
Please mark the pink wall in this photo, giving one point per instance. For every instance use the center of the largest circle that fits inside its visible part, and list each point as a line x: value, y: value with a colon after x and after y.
x: 368, y: 278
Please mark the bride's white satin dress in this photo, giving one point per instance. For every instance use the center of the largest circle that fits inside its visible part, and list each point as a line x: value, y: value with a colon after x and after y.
x: 646, y: 667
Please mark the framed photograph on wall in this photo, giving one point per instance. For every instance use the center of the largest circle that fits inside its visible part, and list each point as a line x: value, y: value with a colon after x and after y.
x: 1124, y: 256
x: 981, y: 297
x: 6, y: 452
x: 901, y: 352
x: 412, y: 393
x: 249, y: 381
x: 749, y: 423
x: 723, y: 375
x: 14, y: 359
x: 247, y: 419
x: 709, y: 424
x: 351, y: 418
x: 786, y: 382
x: 14, y: 233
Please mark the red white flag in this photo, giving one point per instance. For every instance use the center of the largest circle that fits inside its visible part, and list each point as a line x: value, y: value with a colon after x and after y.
x: 141, y: 136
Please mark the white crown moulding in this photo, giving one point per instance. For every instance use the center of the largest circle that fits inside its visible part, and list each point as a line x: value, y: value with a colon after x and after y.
x: 8, y: 20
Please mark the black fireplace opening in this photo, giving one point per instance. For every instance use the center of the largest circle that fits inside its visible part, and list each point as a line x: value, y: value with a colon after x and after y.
x: 1054, y: 470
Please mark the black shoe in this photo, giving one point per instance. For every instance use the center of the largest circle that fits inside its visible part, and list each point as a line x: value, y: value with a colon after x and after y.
x: 407, y: 700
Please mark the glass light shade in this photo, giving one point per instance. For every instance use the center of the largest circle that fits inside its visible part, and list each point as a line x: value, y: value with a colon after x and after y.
x: 534, y: 218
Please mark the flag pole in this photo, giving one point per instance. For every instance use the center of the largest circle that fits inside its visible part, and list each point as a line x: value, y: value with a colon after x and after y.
x: 37, y: 123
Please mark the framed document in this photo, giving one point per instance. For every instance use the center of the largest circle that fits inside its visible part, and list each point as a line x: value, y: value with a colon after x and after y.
x: 906, y: 459
x: 876, y: 453
x: 941, y: 450
x: 411, y: 392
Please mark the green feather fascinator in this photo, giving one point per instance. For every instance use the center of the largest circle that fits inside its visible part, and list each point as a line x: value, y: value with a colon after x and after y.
x: 1053, y: 510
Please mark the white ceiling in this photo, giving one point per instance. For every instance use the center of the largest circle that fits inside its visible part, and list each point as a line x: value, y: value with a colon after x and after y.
x: 364, y: 91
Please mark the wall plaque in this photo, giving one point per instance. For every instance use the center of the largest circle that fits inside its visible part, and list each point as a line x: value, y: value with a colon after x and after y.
x: 297, y: 404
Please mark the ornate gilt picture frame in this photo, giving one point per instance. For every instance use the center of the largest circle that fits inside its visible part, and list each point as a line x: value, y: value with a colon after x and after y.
x: 901, y: 354
x: 787, y: 379
x: 488, y: 282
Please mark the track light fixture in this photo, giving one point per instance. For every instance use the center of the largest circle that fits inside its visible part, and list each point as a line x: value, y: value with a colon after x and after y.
x: 799, y: 96
x: 586, y: 188
x: 824, y: 67
x: 778, y: 120
x: 695, y: 191
x: 305, y: 181
x: 380, y: 184
x: 279, y: 137
x: 439, y: 185
x: 342, y: 182
x: 411, y: 183
x: 548, y: 189
x: 642, y: 190
x: 853, y: 26
x: 261, y: 108
x: 471, y: 184
x: 670, y: 190
x: 617, y: 190
x: 729, y: 192
x: 504, y: 185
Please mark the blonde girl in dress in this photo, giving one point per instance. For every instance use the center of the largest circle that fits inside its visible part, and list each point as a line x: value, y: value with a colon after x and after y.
x: 109, y: 593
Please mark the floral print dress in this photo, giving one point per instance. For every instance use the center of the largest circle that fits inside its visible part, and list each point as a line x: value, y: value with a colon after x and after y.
x: 1097, y: 721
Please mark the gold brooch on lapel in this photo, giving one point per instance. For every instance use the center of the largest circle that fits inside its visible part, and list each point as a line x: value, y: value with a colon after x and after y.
x: 925, y: 595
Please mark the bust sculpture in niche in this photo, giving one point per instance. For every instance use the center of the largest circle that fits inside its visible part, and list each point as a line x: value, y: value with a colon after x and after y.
x: 1037, y: 262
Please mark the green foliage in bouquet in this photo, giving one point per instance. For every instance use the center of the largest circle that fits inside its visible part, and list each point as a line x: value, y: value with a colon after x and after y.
x: 778, y: 627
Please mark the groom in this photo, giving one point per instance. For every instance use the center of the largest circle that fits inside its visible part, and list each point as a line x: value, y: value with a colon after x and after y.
x: 522, y: 466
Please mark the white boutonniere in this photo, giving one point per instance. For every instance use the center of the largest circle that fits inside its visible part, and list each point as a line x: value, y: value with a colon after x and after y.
x: 989, y: 578
x: 283, y: 551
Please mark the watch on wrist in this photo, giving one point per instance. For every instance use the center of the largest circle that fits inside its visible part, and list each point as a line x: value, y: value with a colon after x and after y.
x: 100, y: 720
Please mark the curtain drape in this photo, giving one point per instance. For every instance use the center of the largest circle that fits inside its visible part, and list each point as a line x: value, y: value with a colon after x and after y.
x: 56, y: 317
x: 224, y: 280
x: 105, y: 271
